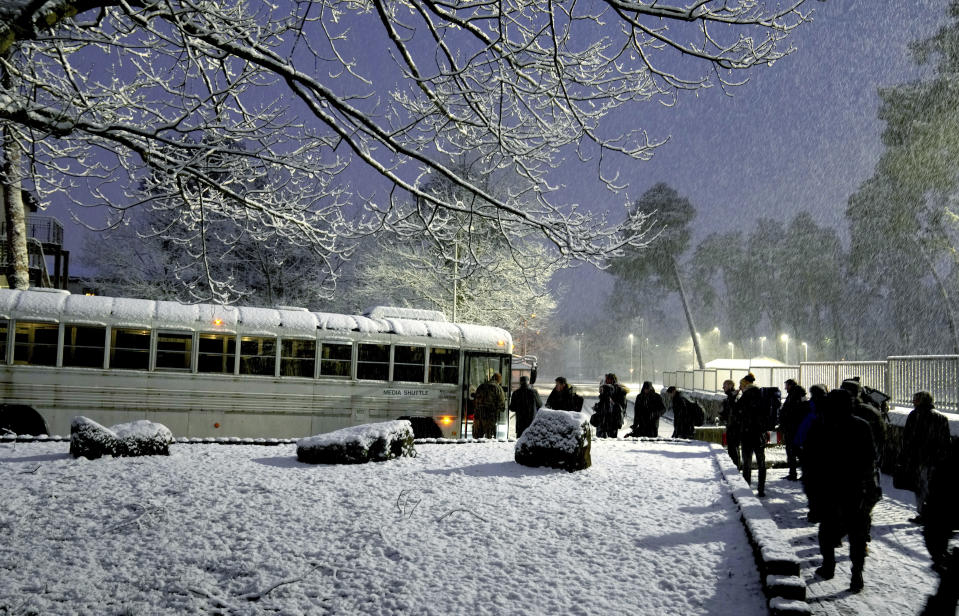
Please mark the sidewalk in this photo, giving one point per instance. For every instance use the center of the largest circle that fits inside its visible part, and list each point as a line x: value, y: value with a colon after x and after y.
x: 897, y: 574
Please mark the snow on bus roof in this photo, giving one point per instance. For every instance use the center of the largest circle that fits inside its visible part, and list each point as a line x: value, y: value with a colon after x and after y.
x: 55, y: 305
x: 396, y: 312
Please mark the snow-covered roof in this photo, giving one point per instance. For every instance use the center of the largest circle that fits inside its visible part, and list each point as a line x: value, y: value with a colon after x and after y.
x: 57, y: 306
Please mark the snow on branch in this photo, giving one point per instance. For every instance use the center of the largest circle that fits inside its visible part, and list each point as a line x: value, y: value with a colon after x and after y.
x: 265, y: 115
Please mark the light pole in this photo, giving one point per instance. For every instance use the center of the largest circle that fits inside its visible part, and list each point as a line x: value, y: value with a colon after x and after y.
x: 642, y: 333
x: 785, y: 339
x: 630, y: 358
x: 732, y: 352
x: 762, y: 345
x: 580, y: 340
x: 805, y: 352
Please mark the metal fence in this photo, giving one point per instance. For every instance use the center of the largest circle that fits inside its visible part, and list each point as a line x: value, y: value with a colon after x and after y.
x: 899, y: 377
x: 937, y: 374
x: 833, y: 373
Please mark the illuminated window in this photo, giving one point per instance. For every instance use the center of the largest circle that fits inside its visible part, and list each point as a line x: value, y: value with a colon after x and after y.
x: 36, y: 344
x: 84, y: 345
x: 215, y: 353
x: 258, y: 356
x: 336, y: 360
x: 174, y: 351
x: 409, y: 363
x: 373, y: 362
x: 444, y: 365
x: 297, y: 358
x: 130, y: 349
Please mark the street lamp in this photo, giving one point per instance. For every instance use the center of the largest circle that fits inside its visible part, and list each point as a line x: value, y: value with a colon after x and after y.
x: 785, y: 339
x: 762, y: 344
x: 642, y: 334
x: 805, y: 352
x: 732, y: 353
x: 630, y: 358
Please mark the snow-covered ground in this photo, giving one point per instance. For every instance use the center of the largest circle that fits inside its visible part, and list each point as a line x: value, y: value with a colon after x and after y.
x: 650, y: 528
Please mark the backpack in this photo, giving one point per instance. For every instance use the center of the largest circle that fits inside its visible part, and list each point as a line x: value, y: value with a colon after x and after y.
x: 577, y: 404
x: 697, y: 415
x: 772, y: 401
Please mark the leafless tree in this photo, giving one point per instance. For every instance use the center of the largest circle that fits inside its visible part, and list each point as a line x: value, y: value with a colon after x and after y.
x: 101, y: 98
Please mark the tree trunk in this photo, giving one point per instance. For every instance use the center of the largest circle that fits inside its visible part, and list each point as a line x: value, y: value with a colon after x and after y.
x: 18, y: 268
x: 689, y: 316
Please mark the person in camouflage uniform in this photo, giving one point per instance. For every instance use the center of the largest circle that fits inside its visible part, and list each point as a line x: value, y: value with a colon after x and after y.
x: 490, y: 402
x: 925, y: 445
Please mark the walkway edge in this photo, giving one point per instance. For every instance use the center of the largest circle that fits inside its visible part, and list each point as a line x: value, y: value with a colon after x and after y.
x: 779, y: 567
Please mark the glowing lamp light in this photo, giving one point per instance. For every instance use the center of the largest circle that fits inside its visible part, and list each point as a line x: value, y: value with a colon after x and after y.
x: 446, y: 420
x: 500, y: 343
x: 218, y: 322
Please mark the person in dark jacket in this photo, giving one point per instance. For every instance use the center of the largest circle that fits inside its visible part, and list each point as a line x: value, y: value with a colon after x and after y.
x: 870, y: 413
x: 794, y: 411
x: 754, y: 434
x: 925, y: 445
x: 941, y: 515
x: 525, y: 401
x: 490, y: 403
x: 647, y: 410
x: 561, y: 398
x: 610, y: 414
x: 839, y: 477
x: 620, y: 392
x: 682, y: 415
x: 730, y: 417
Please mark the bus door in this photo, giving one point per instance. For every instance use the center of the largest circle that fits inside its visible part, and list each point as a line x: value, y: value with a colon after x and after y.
x: 477, y: 369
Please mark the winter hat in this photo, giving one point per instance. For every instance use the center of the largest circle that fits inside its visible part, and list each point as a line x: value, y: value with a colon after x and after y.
x: 853, y: 386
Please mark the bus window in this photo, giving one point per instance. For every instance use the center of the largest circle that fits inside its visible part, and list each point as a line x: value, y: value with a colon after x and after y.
x: 444, y: 365
x: 174, y: 351
x: 84, y: 345
x: 336, y: 359
x: 297, y: 358
x: 373, y: 362
x: 409, y: 363
x: 258, y: 356
x: 3, y: 342
x: 130, y: 349
x: 215, y: 353
x: 36, y: 344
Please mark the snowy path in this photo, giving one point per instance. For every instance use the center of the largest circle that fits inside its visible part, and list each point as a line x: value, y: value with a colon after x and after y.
x: 897, y: 574
x: 649, y: 529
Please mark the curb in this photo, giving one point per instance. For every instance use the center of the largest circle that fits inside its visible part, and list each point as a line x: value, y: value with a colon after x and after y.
x: 779, y: 567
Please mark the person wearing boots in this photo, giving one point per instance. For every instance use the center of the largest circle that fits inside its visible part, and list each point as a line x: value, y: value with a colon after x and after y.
x: 839, y: 476
x: 729, y: 416
x: 754, y: 434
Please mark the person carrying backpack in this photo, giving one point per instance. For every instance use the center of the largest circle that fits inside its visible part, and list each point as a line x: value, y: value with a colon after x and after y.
x: 490, y: 402
x: 683, y: 411
x: 755, y: 417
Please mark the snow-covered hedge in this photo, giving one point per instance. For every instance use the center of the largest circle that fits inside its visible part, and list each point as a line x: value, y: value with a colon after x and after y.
x: 137, y: 438
x: 558, y: 439
x: 358, y: 444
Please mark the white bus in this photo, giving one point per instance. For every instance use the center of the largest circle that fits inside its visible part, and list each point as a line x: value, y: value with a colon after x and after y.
x: 207, y: 370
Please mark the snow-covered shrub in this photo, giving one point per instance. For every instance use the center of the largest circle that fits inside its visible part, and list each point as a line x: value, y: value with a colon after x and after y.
x: 137, y: 438
x: 558, y: 439
x: 358, y: 444
x: 142, y: 438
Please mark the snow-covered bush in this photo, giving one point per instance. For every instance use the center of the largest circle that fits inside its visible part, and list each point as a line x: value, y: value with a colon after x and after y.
x: 559, y: 439
x: 137, y: 438
x: 358, y: 444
